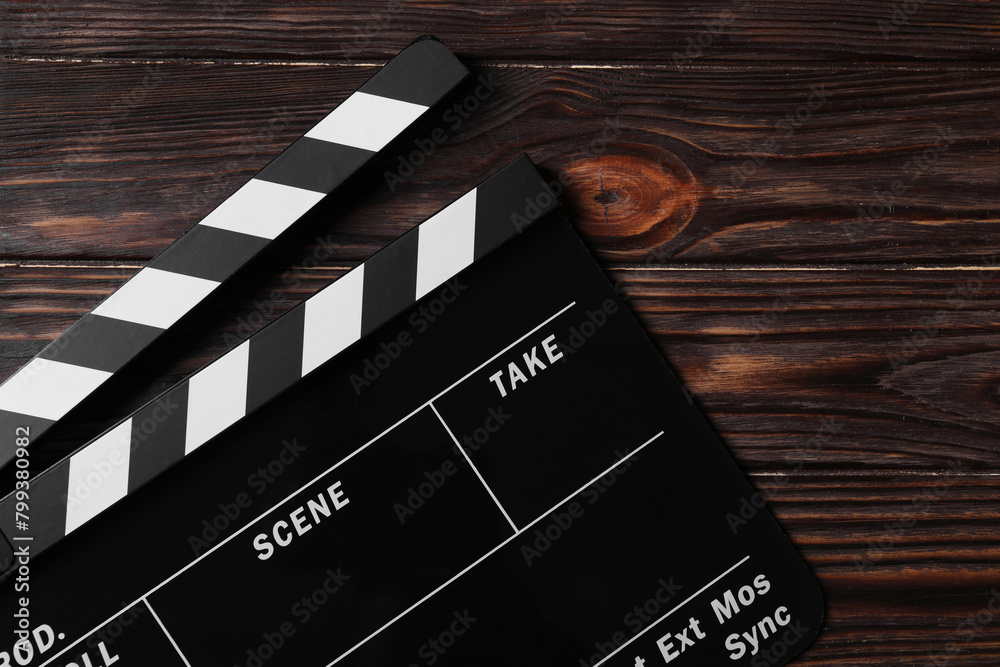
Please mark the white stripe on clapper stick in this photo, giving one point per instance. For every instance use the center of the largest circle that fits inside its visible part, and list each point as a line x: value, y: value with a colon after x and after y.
x: 366, y: 121
x: 49, y: 389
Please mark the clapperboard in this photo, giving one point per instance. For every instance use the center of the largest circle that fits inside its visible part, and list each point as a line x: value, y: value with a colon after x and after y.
x: 465, y: 451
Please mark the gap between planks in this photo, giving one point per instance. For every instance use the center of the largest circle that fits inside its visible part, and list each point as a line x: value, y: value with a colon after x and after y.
x: 99, y: 264
x: 735, y: 66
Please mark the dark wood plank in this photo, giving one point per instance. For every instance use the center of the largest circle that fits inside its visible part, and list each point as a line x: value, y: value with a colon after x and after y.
x: 884, y: 478
x: 570, y: 30
x: 116, y: 160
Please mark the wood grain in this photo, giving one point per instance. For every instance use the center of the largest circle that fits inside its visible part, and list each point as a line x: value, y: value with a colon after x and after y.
x: 660, y: 166
x: 511, y: 30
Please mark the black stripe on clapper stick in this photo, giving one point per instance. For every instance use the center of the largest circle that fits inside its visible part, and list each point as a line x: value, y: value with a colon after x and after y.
x: 390, y: 282
x: 209, y: 252
x: 315, y: 165
x: 158, y: 431
x: 517, y: 188
x: 275, y: 358
x: 86, y: 336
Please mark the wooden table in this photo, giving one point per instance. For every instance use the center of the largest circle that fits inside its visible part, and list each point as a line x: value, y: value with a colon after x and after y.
x: 802, y: 197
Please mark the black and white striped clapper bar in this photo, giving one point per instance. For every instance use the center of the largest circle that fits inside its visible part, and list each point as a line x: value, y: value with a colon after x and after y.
x: 92, y: 350
x: 270, y: 361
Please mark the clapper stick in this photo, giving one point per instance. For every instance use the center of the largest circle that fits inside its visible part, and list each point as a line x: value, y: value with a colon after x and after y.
x: 91, y: 351
x: 163, y: 432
